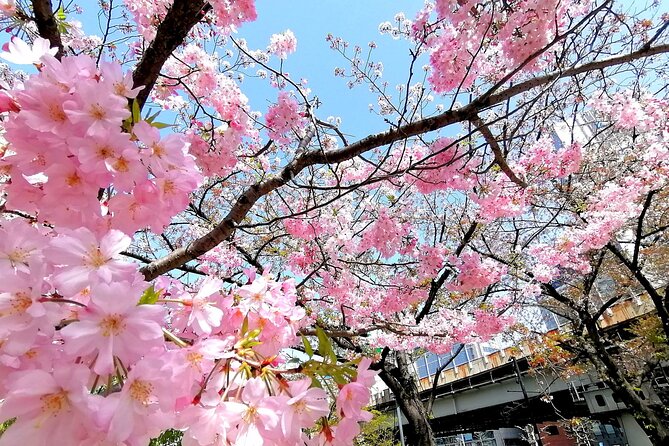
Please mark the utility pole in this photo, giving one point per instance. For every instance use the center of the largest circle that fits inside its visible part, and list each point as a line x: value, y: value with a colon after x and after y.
x: 537, y: 434
x: 399, y: 422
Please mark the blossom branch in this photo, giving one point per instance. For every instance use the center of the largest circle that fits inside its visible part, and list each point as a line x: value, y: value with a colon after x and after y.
x: 46, y: 24
x: 500, y: 160
x: 172, y: 31
x: 251, y: 195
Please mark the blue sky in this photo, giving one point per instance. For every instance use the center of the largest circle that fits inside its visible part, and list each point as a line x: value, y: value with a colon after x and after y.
x: 311, y: 20
x: 355, y: 21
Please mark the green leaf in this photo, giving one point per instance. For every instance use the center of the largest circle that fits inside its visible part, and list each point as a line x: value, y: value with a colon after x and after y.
x: 307, y: 346
x: 60, y: 20
x: 149, y: 297
x: 136, y: 113
x: 339, y: 378
x: 127, y: 125
x: 245, y: 325
x: 160, y: 125
x: 60, y: 14
x: 171, y: 437
x: 150, y: 118
x: 325, y: 346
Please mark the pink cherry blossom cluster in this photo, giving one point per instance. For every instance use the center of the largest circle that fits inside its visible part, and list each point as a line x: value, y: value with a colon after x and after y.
x: 522, y: 28
x: 628, y: 112
x: 381, y: 305
x: 446, y: 167
x: 231, y: 13
x: 91, y: 353
x: 543, y: 161
x: 147, y: 15
x: 499, y: 197
x: 283, y: 44
x: 67, y: 149
x: 227, y: 14
x: 215, y: 145
x: 82, y: 361
x: 382, y: 269
x: 475, y: 272
x: 611, y: 206
x: 385, y: 234
x: 306, y: 229
x: 284, y: 118
x: 440, y: 331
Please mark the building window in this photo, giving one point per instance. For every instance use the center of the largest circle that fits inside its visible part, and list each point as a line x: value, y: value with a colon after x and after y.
x: 461, y: 358
x: 432, y: 363
x: 421, y: 367
x: 471, y: 352
x: 444, y: 359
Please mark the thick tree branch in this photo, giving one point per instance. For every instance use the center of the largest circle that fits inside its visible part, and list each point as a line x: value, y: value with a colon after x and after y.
x: 436, y: 285
x: 179, y: 20
x: 584, y: 68
x: 249, y: 197
x: 656, y: 297
x: 184, y: 268
x: 46, y: 24
x: 639, y: 228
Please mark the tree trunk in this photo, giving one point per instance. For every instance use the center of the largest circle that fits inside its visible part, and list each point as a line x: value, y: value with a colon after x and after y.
x: 401, y: 382
x: 654, y: 420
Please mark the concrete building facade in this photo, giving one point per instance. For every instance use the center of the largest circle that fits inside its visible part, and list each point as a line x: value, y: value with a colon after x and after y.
x: 492, y: 397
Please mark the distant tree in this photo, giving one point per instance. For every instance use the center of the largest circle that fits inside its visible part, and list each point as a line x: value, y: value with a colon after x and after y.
x: 379, y: 431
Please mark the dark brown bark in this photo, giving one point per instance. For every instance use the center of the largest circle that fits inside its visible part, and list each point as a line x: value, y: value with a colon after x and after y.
x: 401, y: 382
x: 173, y: 30
x: 47, y: 25
x: 660, y: 301
x: 248, y: 198
x: 652, y: 419
x: 500, y: 159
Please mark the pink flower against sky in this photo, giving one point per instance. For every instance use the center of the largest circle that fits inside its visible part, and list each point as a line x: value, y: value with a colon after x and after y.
x: 18, y: 52
x: 283, y: 44
x: 284, y: 117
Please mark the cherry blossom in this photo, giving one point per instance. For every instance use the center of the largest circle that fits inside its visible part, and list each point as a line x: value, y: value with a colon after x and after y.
x: 281, y: 45
x: 114, y: 326
x: 158, y: 266
x: 19, y: 52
